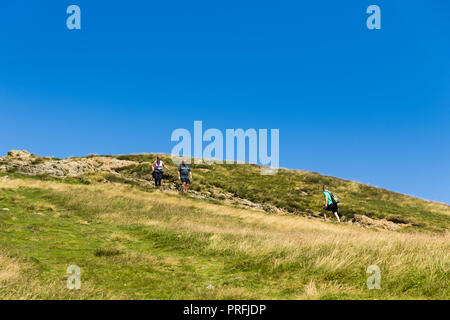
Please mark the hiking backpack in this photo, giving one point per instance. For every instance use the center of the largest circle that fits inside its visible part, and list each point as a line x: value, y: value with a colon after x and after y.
x: 334, y: 197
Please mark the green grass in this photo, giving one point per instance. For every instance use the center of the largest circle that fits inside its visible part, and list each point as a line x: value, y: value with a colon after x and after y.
x: 132, y: 244
x: 300, y: 192
x: 69, y: 180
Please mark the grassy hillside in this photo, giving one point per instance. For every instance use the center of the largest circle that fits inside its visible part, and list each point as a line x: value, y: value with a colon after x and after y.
x: 300, y: 192
x: 132, y: 242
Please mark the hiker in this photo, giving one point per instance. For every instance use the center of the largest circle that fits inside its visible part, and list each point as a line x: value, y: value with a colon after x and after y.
x: 185, y: 175
x: 157, y: 168
x: 330, y: 204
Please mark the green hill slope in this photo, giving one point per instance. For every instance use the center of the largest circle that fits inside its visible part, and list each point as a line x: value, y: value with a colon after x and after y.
x: 232, y: 238
x: 299, y: 192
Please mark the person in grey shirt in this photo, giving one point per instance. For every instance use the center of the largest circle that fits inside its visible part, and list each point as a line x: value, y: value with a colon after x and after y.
x: 185, y: 175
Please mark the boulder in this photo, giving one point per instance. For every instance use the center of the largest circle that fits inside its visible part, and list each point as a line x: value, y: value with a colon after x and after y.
x: 19, y: 154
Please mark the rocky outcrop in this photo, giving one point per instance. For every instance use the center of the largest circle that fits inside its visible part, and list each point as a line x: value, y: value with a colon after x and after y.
x: 365, y: 221
x: 26, y: 163
x: 19, y: 154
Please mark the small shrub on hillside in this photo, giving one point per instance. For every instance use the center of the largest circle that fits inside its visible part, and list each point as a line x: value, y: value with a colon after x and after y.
x: 106, y: 252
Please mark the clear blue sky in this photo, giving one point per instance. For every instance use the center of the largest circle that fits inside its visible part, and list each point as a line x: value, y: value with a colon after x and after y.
x: 370, y: 106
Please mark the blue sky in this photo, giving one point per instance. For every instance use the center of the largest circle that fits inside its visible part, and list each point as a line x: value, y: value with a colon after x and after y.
x: 366, y: 105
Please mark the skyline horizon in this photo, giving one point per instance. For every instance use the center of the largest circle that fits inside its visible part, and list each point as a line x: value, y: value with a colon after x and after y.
x: 246, y: 163
x: 362, y: 104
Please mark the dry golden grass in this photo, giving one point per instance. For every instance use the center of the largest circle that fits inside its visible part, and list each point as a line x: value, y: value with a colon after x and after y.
x: 275, y: 244
x: 9, y: 269
x: 279, y: 230
x: 18, y: 280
